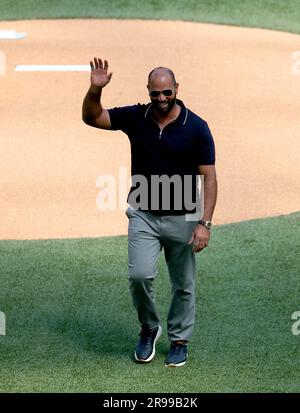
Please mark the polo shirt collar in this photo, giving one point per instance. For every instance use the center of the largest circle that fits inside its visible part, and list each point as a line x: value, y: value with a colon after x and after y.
x: 182, y: 118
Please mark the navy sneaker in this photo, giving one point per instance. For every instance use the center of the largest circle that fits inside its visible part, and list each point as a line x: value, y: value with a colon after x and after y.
x: 145, y: 349
x: 177, y: 355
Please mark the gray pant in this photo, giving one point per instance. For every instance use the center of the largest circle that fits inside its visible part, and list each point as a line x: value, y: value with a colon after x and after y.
x: 147, y: 235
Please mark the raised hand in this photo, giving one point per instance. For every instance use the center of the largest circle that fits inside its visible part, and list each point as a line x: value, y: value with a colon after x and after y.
x: 99, y: 76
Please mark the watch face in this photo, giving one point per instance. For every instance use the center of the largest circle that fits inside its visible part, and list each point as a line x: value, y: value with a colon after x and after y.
x: 207, y: 224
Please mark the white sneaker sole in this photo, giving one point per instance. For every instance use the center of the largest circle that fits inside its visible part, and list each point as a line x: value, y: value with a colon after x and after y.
x: 153, y: 351
x: 175, y: 365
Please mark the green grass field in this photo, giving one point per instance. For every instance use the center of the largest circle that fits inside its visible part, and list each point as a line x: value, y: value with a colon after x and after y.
x: 275, y: 14
x: 71, y: 326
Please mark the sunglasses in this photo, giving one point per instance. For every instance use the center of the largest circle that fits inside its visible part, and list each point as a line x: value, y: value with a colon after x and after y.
x: 156, y: 93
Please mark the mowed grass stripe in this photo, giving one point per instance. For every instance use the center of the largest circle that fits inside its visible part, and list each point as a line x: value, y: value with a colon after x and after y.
x: 71, y: 326
x: 273, y: 14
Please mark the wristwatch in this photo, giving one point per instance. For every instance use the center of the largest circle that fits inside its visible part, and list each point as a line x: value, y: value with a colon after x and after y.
x: 207, y: 224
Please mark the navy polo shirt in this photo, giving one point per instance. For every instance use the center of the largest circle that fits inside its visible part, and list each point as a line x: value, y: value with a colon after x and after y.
x: 176, y: 150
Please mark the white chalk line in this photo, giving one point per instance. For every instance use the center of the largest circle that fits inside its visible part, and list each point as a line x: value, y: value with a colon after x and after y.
x: 52, y: 68
x: 11, y: 35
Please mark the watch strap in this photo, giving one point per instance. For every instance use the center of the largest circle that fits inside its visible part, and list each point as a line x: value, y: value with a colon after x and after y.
x: 207, y: 224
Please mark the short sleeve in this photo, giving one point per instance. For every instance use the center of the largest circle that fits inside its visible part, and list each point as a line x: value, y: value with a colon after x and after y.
x: 122, y: 118
x: 204, y: 145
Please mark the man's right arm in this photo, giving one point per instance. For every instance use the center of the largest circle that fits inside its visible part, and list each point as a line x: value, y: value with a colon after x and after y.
x: 93, y: 114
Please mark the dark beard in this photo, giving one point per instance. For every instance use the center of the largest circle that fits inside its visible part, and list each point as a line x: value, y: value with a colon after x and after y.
x: 166, y: 109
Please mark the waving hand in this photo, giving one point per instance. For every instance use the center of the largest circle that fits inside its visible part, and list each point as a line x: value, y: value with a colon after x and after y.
x: 99, y: 75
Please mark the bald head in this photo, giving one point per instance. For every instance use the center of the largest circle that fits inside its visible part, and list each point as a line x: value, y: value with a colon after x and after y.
x: 161, y: 72
x: 162, y: 89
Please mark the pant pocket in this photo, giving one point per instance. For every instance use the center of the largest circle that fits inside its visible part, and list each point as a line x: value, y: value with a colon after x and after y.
x: 130, y: 212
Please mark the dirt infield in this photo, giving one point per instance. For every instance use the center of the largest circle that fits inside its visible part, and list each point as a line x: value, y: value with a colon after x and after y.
x: 239, y: 80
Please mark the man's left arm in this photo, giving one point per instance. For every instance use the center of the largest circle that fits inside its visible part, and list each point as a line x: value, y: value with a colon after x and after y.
x: 201, y: 235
